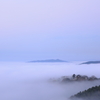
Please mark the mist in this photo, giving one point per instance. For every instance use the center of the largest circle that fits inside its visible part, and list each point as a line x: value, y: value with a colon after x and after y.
x: 29, y: 81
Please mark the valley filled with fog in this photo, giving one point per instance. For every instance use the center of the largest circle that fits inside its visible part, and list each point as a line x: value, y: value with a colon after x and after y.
x: 29, y: 81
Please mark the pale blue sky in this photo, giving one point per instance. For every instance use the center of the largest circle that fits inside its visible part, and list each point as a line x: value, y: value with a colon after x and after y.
x: 64, y: 29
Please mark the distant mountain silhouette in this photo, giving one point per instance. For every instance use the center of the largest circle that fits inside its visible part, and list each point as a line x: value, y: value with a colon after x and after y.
x: 48, y: 60
x: 91, y: 62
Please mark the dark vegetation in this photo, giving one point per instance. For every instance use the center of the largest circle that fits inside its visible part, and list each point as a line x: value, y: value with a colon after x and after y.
x: 90, y: 94
x: 75, y: 78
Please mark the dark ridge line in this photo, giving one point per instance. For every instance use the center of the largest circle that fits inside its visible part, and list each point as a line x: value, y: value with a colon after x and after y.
x: 91, y: 62
x: 48, y: 60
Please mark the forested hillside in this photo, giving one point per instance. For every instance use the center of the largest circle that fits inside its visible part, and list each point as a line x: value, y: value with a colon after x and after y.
x: 90, y: 94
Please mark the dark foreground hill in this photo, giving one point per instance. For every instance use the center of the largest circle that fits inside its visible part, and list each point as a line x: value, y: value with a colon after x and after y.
x: 90, y: 94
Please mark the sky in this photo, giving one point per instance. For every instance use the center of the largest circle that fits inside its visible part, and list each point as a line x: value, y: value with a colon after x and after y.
x: 53, y: 29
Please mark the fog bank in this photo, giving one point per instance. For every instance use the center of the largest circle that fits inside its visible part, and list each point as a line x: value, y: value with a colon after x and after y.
x: 28, y: 81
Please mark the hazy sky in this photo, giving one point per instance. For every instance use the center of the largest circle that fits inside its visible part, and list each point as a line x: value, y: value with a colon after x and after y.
x: 42, y: 29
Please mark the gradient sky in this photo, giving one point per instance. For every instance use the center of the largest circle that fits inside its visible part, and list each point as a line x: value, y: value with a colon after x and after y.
x: 42, y: 29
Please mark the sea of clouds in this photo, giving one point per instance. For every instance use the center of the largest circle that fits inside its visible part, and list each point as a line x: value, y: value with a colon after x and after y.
x: 29, y: 81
